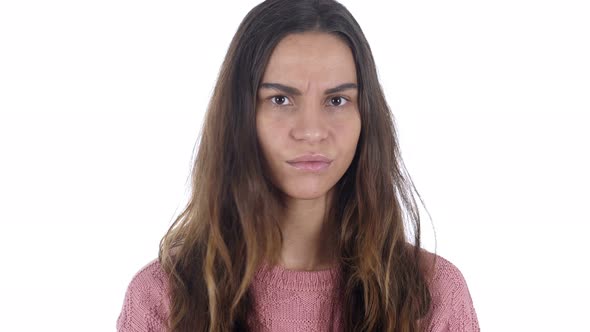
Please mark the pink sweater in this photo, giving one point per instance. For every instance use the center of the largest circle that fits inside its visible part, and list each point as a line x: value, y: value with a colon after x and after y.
x: 289, y: 301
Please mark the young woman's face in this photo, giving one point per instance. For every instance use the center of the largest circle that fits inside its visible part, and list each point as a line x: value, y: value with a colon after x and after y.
x: 307, y: 117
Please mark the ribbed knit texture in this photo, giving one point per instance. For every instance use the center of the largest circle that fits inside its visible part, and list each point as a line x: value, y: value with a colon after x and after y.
x: 296, y: 301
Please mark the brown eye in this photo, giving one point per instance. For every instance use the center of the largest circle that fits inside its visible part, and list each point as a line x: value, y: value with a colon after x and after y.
x: 338, y: 101
x: 279, y: 100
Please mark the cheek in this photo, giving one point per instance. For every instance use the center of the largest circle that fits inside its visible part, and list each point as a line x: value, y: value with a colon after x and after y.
x: 349, y: 131
x: 269, y: 135
x: 262, y: 130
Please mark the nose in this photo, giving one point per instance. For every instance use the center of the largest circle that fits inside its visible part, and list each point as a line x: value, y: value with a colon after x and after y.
x: 310, y: 125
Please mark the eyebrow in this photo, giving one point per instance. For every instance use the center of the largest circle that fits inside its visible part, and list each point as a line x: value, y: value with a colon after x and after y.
x: 294, y: 91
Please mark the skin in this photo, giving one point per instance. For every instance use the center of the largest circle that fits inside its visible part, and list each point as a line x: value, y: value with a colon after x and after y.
x: 290, y: 124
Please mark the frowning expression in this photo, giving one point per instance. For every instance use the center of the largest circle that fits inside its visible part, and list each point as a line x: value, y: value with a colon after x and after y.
x: 307, y: 117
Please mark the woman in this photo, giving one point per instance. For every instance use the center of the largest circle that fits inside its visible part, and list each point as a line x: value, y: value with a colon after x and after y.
x: 297, y: 217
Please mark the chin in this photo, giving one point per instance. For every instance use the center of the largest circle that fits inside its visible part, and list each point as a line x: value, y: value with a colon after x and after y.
x: 305, y: 196
x: 306, y: 192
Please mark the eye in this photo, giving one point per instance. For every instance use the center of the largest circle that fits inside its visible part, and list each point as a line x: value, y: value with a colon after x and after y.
x: 280, y: 100
x: 338, y: 101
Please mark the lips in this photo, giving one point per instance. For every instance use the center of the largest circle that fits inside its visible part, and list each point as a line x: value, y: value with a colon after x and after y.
x: 310, y: 162
x: 311, y: 157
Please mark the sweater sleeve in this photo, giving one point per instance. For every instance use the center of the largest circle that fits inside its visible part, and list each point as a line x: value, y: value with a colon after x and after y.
x: 145, y: 307
x: 452, y: 305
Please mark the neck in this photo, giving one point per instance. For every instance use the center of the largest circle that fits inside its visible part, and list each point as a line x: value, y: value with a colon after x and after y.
x: 307, y: 238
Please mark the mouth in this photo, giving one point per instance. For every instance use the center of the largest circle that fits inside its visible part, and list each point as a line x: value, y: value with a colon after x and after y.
x: 310, y: 165
x: 310, y: 162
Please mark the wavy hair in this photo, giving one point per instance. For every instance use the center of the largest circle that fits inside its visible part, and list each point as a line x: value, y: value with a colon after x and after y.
x: 230, y: 224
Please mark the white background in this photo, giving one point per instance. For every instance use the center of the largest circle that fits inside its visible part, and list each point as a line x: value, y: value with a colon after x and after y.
x: 101, y: 106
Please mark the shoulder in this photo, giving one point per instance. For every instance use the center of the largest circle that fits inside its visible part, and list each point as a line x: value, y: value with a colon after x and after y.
x: 452, y: 306
x: 146, y: 305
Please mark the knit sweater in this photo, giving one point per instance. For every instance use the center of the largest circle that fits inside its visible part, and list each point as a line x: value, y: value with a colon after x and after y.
x: 297, y: 301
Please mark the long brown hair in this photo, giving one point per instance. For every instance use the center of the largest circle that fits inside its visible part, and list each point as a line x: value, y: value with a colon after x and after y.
x: 231, y: 221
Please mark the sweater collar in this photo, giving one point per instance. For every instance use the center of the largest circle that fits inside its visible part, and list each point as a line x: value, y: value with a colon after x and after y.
x: 281, y: 277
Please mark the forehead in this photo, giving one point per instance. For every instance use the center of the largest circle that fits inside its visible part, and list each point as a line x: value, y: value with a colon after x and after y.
x: 311, y: 57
